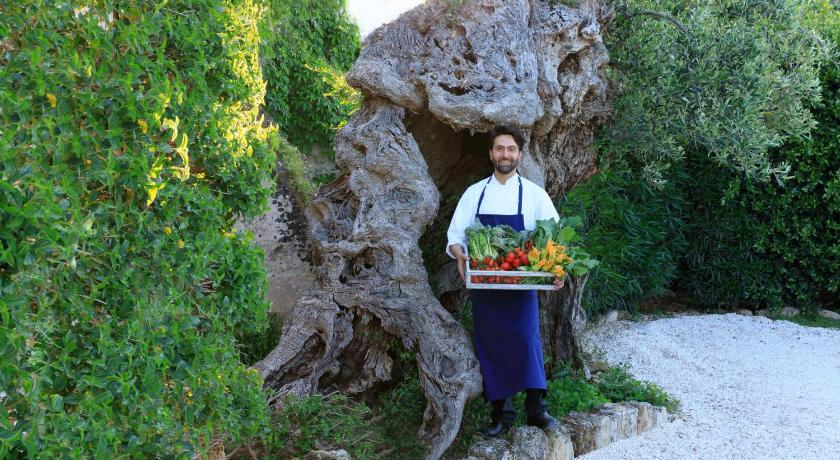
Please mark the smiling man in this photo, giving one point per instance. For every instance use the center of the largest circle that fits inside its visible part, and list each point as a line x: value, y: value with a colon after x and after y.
x: 506, y: 329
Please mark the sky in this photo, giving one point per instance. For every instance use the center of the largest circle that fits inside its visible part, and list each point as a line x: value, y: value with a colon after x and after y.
x: 370, y: 14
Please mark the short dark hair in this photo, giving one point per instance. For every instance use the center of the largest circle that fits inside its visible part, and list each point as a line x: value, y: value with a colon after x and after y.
x: 517, y: 135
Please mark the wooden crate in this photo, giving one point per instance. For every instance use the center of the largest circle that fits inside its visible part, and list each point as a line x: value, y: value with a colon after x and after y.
x: 508, y: 287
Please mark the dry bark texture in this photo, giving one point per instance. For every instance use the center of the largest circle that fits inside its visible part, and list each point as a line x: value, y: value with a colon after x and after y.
x: 432, y: 80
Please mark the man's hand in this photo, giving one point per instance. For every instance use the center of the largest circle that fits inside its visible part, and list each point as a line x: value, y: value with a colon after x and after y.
x: 559, y: 282
x: 461, y: 258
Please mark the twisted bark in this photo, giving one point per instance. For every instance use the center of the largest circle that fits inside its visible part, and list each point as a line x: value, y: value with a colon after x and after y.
x: 431, y: 82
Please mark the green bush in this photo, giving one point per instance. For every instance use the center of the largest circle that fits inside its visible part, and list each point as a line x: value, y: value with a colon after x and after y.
x: 399, y: 409
x: 129, y: 143
x: 772, y: 244
x: 730, y: 78
x: 306, y: 48
x: 634, y: 229
x: 722, y: 81
x: 565, y: 394
x: 616, y: 384
x: 322, y: 422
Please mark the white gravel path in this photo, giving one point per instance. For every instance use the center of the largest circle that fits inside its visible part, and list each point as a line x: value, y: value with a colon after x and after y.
x: 750, y: 387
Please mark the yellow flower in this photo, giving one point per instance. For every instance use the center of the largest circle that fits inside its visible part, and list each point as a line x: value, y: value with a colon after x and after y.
x: 167, y: 230
x: 144, y: 127
x: 51, y: 98
x: 180, y: 244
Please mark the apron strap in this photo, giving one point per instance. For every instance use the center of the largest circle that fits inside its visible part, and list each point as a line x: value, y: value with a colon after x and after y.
x: 481, y: 198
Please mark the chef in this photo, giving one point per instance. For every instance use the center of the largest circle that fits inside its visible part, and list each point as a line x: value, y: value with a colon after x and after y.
x: 506, y: 329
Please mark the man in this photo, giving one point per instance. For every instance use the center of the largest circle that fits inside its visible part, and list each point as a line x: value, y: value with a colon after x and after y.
x: 506, y: 328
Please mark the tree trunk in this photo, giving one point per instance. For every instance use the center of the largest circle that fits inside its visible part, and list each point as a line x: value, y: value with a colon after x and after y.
x: 561, y: 322
x: 431, y: 81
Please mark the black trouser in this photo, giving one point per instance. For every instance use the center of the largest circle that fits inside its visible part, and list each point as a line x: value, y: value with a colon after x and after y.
x: 502, y: 409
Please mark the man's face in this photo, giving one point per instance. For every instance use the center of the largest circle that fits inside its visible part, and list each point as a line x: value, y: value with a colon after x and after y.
x: 505, y: 154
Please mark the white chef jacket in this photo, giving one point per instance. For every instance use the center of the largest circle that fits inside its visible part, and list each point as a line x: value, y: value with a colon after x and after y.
x: 499, y: 199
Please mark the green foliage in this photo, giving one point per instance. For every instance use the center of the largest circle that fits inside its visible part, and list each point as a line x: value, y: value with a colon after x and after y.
x: 813, y: 321
x: 324, y: 422
x: 772, y: 244
x: 129, y: 142
x: 400, y: 410
x: 634, y: 229
x: 306, y: 47
x: 293, y: 167
x: 616, y: 384
x: 730, y: 79
x: 565, y: 394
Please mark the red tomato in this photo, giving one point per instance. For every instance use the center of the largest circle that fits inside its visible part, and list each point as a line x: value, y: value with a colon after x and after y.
x: 516, y: 263
x: 506, y: 266
x: 523, y: 260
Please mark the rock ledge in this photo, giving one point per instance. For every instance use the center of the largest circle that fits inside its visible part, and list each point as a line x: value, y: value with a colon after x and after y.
x: 579, y: 434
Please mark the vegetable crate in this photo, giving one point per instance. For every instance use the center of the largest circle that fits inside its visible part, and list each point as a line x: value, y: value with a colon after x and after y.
x: 472, y: 284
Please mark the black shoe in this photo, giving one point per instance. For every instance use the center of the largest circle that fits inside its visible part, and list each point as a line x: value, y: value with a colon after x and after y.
x: 544, y: 421
x: 495, y: 430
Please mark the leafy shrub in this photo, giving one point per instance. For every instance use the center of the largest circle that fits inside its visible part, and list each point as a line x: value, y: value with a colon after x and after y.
x: 400, y: 410
x: 323, y: 422
x: 616, y: 384
x: 772, y: 244
x: 130, y: 142
x: 293, y: 168
x: 634, y: 229
x: 306, y: 48
x: 730, y: 78
x: 726, y: 81
x: 565, y: 394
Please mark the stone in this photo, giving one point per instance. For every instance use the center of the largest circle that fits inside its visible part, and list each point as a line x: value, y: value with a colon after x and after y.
x: 624, y: 315
x: 590, y: 431
x: 625, y: 417
x: 531, y: 442
x: 789, y: 311
x: 526, y: 443
x: 578, y: 434
x: 763, y: 312
x: 660, y: 415
x: 611, y: 316
x: 744, y: 312
x: 560, y: 445
x: 340, y: 454
x: 644, y: 416
x: 492, y: 449
x: 829, y: 314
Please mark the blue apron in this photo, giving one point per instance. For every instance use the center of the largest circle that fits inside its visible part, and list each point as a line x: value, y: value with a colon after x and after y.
x: 506, y: 328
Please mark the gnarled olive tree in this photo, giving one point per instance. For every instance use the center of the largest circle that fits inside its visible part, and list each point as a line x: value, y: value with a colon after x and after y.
x: 433, y: 80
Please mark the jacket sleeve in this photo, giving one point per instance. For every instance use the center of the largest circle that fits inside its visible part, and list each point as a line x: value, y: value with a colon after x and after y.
x: 545, y: 207
x: 461, y: 219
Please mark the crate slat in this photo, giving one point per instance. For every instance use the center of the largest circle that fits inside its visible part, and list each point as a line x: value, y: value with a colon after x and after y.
x: 508, y: 287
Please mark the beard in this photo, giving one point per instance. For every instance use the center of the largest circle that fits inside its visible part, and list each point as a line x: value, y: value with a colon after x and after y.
x: 505, y: 168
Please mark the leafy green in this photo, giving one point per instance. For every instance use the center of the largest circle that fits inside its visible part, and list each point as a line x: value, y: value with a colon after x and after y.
x: 131, y: 140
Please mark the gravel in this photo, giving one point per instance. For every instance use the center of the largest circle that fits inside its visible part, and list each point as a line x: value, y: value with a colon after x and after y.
x: 750, y: 387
